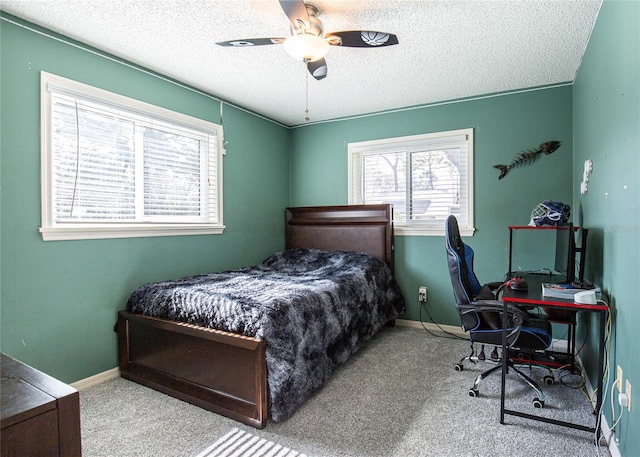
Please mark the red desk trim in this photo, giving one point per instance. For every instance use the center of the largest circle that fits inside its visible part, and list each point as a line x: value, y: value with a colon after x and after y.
x: 542, y: 301
x: 535, y: 227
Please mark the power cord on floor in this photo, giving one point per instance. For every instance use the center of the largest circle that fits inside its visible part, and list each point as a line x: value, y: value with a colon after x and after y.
x: 572, y: 382
x: 452, y: 335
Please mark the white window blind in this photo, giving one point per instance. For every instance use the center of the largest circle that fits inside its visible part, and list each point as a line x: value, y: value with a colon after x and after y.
x: 114, y: 167
x: 425, y: 177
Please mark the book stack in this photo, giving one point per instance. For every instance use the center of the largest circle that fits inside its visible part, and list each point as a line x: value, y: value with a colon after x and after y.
x: 565, y: 291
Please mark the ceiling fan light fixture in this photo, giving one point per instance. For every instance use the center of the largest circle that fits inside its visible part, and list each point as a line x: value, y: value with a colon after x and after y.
x: 306, y: 47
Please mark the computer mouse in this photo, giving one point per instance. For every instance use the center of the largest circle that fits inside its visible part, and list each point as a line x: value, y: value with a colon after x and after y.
x: 518, y: 283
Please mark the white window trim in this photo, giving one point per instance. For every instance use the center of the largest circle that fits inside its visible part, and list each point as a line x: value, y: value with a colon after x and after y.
x: 52, y: 230
x: 415, y: 229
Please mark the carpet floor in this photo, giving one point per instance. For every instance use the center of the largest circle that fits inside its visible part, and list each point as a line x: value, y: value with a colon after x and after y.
x: 398, y: 396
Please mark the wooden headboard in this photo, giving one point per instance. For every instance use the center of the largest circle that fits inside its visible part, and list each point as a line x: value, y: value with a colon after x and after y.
x: 364, y: 228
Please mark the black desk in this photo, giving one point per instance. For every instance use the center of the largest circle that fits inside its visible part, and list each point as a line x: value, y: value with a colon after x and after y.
x: 533, y: 297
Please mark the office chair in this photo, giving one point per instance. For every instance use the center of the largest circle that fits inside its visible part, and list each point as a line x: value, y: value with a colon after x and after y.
x: 481, y: 315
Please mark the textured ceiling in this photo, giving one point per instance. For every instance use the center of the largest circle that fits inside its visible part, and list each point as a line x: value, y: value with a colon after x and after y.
x: 448, y: 49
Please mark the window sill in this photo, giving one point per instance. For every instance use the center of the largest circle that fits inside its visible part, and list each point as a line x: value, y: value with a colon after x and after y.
x: 401, y: 230
x: 83, y: 232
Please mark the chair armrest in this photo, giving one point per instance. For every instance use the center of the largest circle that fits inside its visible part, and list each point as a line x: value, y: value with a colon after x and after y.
x: 518, y: 315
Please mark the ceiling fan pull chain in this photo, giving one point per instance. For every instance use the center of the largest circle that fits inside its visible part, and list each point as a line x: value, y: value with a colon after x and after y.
x: 306, y: 111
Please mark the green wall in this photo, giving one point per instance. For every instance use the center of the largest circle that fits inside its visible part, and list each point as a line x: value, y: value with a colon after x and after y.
x: 60, y: 298
x: 503, y: 126
x: 607, y: 131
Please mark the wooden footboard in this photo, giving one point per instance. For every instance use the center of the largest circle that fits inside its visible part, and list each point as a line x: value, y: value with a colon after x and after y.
x: 218, y: 371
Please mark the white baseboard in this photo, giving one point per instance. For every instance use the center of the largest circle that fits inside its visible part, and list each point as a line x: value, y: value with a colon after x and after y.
x: 557, y: 344
x: 609, y: 435
x: 456, y: 330
x: 96, y: 379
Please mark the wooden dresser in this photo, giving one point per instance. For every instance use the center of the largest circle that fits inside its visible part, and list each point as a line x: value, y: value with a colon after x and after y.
x: 40, y: 415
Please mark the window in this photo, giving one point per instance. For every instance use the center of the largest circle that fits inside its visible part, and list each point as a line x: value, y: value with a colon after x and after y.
x: 114, y: 167
x: 425, y: 177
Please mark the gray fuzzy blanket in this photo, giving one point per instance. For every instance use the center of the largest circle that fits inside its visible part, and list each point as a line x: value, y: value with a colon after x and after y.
x: 314, y: 308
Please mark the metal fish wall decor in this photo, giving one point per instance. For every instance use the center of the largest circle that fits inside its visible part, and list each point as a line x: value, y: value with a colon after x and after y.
x: 527, y: 157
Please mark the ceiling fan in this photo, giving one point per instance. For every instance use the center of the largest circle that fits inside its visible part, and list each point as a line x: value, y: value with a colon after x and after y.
x: 309, y: 42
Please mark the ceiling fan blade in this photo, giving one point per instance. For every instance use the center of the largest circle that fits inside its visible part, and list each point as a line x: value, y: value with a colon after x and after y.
x: 296, y: 11
x: 246, y: 42
x: 361, y: 39
x: 318, y: 69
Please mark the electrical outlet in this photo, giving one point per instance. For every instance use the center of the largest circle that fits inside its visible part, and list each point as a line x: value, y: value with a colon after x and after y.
x: 627, y: 390
x: 619, y: 378
x: 422, y: 294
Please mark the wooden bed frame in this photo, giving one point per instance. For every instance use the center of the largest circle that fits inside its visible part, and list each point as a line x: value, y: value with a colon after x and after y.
x: 225, y: 372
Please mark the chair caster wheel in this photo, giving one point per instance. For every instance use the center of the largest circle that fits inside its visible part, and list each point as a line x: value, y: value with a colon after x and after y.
x: 538, y: 403
x: 473, y: 392
x: 549, y: 380
x: 459, y: 367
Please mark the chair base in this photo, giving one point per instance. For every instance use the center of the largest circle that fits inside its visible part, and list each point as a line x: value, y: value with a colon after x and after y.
x: 474, y: 391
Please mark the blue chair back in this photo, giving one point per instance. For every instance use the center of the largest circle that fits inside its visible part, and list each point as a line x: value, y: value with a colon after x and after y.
x: 464, y: 282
